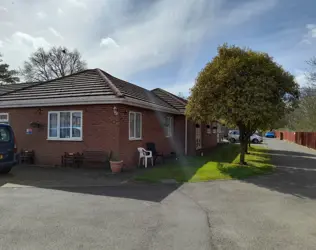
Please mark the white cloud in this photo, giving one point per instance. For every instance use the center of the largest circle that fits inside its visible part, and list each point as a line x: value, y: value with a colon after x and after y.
x: 312, y: 29
x: 108, y: 42
x: 19, y: 46
x: 119, y: 39
x: 41, y: 15
x: 1, y: 44
x: 3, y: 9
x: 310, y: 36
x: 60, y: 11
x: 300, y: 78
x: 28, y: 40
x: 78, y: 3
x: 306, y: 41
x: 55, y: 33
x: 167, y: 30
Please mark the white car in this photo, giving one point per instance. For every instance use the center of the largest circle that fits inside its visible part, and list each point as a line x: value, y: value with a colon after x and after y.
x: 233, y: 136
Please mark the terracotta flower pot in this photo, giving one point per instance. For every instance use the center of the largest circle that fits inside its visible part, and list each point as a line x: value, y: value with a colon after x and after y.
x: 116, y: 166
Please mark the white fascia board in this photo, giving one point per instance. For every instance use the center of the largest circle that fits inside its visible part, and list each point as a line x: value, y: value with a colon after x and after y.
x: 87, y: 100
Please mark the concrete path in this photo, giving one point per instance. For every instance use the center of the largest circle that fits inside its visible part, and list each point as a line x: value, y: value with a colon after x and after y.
x: 296, y: 169
x: 269, y: 212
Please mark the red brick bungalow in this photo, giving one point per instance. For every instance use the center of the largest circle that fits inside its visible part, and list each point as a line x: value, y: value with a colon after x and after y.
x: 93, y: 110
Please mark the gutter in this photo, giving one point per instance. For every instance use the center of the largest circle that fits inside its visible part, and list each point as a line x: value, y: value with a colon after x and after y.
x: 85, y: 100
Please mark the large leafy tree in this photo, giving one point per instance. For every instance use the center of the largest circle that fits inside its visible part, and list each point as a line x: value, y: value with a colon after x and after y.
x: 56, y: 62
x: 7, y: 76
x: 245, y: 88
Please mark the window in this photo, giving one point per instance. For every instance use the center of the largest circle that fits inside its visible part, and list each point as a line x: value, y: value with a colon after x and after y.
x: 4, y: 118
x: 5, y: 135
x: 135, y: 126
x: 168, y: 126
x: 65, y: 125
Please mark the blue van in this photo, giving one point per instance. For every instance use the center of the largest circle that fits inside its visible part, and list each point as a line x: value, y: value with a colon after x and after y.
x: 8, y: 149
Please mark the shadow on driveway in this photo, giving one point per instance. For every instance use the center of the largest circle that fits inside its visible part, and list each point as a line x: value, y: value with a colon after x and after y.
x: 295, y: 174
x: 84, y: 181
x: 100, y: 182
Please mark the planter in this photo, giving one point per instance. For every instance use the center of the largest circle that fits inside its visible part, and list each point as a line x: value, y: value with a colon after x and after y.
x: 116, y: 166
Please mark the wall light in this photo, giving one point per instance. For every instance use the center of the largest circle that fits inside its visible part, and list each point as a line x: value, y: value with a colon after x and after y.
x: 115, y: 112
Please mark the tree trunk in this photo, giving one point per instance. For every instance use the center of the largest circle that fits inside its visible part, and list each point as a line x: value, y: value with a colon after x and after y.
x: 243, y: 145
x: 243, y: 148
x: 248, y: 146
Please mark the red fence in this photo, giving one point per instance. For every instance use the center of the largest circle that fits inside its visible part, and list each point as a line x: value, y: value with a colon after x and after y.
x: 307, y: 139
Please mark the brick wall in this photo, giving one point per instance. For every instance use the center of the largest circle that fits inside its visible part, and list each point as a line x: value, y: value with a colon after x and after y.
x: 152, y: 131
x: 100, y: 131
x: 191, y: 138
x: 208, y: 140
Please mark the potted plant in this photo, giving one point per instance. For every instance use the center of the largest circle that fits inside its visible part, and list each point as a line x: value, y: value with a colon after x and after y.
x: 35, y: 124
x: 115, y: 163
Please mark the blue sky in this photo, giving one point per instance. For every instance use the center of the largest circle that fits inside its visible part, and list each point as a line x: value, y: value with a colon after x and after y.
x: 160, y: 43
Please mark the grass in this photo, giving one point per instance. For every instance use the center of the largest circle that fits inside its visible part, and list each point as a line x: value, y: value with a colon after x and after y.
x: 222, y: 163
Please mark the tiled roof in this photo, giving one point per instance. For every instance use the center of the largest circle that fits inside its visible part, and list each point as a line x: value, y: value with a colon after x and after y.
x: 90, y: 86
x: 173, y: 100
x: 6, y: 88
x: 85, y: 83
x: 136, y: 92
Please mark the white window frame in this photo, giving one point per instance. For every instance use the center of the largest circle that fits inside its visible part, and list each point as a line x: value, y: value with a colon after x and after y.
x: 5, y: 121
x: 169, y: 129
x: 58, y: 126
x: 140, y: 127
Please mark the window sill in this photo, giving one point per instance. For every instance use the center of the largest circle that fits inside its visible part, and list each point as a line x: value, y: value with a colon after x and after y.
x: 61, y: 139
x: 135, y: 139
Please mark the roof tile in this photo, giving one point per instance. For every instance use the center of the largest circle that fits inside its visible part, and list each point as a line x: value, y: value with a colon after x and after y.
x: 88, y: 83
x: 173, y: 100
x: 136, y: 92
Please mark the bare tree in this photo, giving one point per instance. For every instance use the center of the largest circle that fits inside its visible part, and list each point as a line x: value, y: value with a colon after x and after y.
x: 311, y: 76
x: 54, y: 63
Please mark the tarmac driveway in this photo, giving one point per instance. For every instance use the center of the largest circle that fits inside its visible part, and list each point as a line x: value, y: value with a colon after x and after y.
x: 45, y: 177
x: 270, y: 212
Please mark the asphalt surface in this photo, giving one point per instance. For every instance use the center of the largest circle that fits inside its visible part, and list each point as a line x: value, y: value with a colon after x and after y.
x: 268, y: 212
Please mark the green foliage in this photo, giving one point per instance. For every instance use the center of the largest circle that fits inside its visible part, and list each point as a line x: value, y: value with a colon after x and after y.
x: 242, y: 87
x: 7, y: 76
x: 245, y: 88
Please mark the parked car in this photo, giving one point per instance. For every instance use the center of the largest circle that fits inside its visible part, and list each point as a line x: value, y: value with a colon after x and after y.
x: 8, y: 149
x: 233, y: 136
x: 270, y: 134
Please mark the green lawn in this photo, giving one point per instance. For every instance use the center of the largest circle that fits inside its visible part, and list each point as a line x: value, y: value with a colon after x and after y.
x: 222, y: 163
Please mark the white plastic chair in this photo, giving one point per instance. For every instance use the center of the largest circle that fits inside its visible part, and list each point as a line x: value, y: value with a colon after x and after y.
x: 145, y: 155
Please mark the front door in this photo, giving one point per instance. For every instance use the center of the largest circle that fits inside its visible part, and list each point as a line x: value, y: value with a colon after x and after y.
x: 198, y: 139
